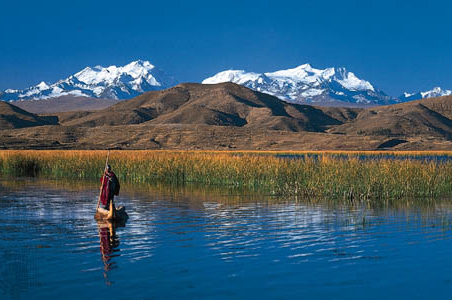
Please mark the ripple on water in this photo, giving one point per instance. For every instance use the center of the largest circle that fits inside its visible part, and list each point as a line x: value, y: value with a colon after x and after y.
x: 193, y: 247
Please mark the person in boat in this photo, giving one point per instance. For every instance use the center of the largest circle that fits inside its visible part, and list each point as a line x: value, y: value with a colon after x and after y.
x: 109, y: 187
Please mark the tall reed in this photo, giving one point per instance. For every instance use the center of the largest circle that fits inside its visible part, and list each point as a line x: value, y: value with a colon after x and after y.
x: 347, y: 176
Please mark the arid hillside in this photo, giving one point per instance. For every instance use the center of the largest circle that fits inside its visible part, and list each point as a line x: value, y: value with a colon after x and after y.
x: 64, y: 104
x: 225, y: 104
x: 12, y: 117
x: 229, y: 116
x: 428, y: 117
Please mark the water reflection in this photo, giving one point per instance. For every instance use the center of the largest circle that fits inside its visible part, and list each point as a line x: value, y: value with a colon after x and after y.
x: 201, y: 243
x: 109, y: 247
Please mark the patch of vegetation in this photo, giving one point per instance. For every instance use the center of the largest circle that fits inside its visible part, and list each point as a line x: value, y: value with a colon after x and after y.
x: 321, y: 174
x: 376, y: 132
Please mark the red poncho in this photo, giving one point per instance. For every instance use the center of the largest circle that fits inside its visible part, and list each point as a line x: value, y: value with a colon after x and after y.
x: 105, y: 195
x: 105, y: 248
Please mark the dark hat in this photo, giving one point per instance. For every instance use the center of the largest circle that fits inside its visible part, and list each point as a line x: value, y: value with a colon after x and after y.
x: 108, y: 168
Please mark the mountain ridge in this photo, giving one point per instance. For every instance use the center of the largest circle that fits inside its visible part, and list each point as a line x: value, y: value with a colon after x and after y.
x: 334, y: 86
x: 231, y: 116
x: 13, y: 117
x: 433, y: 93
x: 98, y: 82
x: 305, y: 84
x: 225, y: 104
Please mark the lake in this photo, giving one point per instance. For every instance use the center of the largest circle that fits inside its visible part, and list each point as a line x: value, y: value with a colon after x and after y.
x: 378, y: 157
x: 204, y: 244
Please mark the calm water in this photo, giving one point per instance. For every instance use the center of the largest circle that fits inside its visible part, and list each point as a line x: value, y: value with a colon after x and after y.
x: 197, y: 244
x: 381, y: 156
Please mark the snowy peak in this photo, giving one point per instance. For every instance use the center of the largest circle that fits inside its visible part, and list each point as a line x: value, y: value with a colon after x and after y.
x: 301, y: 84
x: 101, y: 82
x: 435, y: 92
x: 350, y: 81
x: 42, y: 86
x: 307, y: 84
x: 303, y: 72
x: 98, y: 74
x: 237, y: 76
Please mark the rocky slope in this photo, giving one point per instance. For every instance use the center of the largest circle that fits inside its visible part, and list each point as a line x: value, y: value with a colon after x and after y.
x: 12, y: 117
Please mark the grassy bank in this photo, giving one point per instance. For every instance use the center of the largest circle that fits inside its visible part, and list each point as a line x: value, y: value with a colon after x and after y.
x: 324, y: 175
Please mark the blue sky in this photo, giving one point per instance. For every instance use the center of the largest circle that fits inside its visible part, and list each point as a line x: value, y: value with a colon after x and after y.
x: 397, y: 45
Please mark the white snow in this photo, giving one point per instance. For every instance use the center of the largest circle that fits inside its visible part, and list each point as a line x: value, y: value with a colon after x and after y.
x: 236, y: 76
x: 361, y: 99
x: 436, y: 92
x: 98, y: 90
x: 406, y: 95
x: 42, y: 86
x: 304, y: 80
x: 312, y: 93
x: 136, y: 70
x: 122, y: 82
x: 353, y: 83
x: 301, y: 74
x: 305, y: 74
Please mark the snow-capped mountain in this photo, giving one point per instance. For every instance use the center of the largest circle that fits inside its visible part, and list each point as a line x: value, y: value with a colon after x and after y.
x: 307, y: 84
x: 435, y: 92
x: 303, y: 84
x: 112, y: 82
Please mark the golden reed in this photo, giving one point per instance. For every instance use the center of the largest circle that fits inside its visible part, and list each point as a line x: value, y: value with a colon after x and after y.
x: 335, y: 174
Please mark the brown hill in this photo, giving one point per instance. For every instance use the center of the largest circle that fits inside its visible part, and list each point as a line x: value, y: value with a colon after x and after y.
x: 225, y: 104
x: 64, y: 104
x: 428, y: 117
x: 14, y: 117
x: 441, y: 105
x: 229, y: 116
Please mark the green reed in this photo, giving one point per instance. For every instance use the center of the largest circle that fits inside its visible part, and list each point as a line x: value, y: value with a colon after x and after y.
x: 321, y: 176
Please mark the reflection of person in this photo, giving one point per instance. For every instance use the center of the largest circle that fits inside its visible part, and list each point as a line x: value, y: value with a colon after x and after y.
x: 110, y: 187
x: 108, y: 244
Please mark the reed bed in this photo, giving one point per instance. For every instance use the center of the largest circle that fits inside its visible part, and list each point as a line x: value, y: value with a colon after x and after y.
x: 324, y: 175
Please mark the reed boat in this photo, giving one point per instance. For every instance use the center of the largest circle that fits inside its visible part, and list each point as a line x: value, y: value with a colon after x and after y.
x: 113, y: 214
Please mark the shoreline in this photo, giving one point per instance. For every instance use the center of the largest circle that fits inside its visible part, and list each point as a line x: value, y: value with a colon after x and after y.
x: 343, y: 177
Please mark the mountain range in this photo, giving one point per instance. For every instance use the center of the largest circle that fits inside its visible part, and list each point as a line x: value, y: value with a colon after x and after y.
x: 435, y: 92
x: 230, y: 116
x: 330, y: 86
x: 112, y: 82
x: 307, y: 84
x: 303, y: 84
